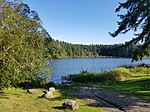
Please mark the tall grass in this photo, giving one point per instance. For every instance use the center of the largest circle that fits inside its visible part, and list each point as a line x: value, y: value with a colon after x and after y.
x: 118, y: 74
x: 115, y: 75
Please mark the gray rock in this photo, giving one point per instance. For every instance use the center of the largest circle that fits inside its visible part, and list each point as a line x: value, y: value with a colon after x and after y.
x: 32, y: 91
x: 52, y: 89
x: 71, y: 104
x: 48, y: 95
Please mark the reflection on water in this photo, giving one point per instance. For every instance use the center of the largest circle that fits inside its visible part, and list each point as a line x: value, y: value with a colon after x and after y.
x: 64, y: 67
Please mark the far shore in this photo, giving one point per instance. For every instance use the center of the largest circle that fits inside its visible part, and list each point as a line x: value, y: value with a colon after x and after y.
x: 96, y: 57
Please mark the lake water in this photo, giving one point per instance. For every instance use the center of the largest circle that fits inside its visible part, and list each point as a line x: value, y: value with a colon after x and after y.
x: 64, y: 67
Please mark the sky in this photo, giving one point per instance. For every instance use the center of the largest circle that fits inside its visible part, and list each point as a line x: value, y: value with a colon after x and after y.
x: 80, y: 21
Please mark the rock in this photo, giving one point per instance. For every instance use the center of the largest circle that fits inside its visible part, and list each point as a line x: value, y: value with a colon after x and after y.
x: 32, y: 91
x: 71, y: 104
x: 52, y: 89
x: 48, y: 95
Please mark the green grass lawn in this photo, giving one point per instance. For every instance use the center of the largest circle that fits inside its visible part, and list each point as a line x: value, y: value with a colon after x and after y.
x: 17, y: 100
x: 138, y: 84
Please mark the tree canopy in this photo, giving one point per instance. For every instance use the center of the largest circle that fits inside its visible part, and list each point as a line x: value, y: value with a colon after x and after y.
x: 136, y: 18
x: 60, y: 49
x: 22, y: 48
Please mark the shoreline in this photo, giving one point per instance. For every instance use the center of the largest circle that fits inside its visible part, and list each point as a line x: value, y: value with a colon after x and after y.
x: 97, y: 58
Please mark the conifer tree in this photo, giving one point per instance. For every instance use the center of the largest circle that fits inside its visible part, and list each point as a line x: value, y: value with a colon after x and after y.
x: 136, y: 18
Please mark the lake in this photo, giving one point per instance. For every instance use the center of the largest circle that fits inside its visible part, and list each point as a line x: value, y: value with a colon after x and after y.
x: 64, y: 67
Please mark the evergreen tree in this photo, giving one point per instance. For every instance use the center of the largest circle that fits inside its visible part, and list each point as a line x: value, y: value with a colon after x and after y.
x: 137, y: 18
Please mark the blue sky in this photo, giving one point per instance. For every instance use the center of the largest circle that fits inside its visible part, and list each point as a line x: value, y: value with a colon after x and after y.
x: 79, y: 21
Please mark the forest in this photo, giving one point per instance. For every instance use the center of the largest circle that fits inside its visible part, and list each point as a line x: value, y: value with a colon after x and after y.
x: 61, y: 49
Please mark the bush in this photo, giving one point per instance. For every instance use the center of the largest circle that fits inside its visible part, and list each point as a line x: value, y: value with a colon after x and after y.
x: 83, y: 77
x: 50, y: 84
x: 122, y: 71
x: 144, y: 70
x: 118, y: 74
x: 141, y: 68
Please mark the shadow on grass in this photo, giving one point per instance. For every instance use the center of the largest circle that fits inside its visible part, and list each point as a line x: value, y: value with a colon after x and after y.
x: 3, y: 95
x: 136, y: 87
x: 109, y: 98
x: 140, y: 88
x: 59, y: 107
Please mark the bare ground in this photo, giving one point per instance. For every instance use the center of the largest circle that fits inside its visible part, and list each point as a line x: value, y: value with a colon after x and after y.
x: 109, y: 100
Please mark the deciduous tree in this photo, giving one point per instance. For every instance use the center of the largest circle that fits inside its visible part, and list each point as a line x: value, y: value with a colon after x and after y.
x: 21, y: 44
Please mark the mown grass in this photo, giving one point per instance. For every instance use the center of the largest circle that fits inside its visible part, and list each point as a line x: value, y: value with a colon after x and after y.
x: 130, y: 80
x: 138, y: 85
x: 17, y: 100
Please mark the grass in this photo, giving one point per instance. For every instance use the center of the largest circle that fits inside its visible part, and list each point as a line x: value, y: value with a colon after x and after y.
x: 132, y: 80
x: 135, y: 81
x: 17, y: 100
x: 138, y: 85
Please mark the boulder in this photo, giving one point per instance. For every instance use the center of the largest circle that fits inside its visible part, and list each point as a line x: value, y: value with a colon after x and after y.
x: 52, y: 89
x: 32, y: 91
x: 48, y: 95
x: 70, y: 105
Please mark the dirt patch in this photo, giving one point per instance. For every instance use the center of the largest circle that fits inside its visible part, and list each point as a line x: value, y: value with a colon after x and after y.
x: 109, y: 100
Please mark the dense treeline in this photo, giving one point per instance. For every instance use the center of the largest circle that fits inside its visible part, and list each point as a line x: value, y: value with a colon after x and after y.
x: 61, y: 49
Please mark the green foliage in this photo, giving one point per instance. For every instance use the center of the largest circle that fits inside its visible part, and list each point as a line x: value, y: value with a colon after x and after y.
x: 22, y: 47
x: 38, y: 82
x: 84, y: 78
x: 123, y: 71
x: 140, y: 70
x: 50, y: 84
x: 58, y: 49
x: 118, y: 74
x: 137, y: 18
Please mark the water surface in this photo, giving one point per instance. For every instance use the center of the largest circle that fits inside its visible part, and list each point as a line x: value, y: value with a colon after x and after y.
x: 64, y: 67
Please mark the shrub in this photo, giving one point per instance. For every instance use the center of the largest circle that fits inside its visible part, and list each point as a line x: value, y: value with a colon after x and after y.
x: 50, y: 84
x: 118, y: 74
x: 84, y: 78
x: 144, y: 70
x: 108, y: 77
x: 122, y: 71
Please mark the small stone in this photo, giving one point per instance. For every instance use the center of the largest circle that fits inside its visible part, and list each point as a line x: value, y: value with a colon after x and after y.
x: 52, y: 89
x: 32, y: 91
x: 48, y: 95
x: 71, y: 105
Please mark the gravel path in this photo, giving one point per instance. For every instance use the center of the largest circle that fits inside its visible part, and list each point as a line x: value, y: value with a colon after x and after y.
x: 109, y: 100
